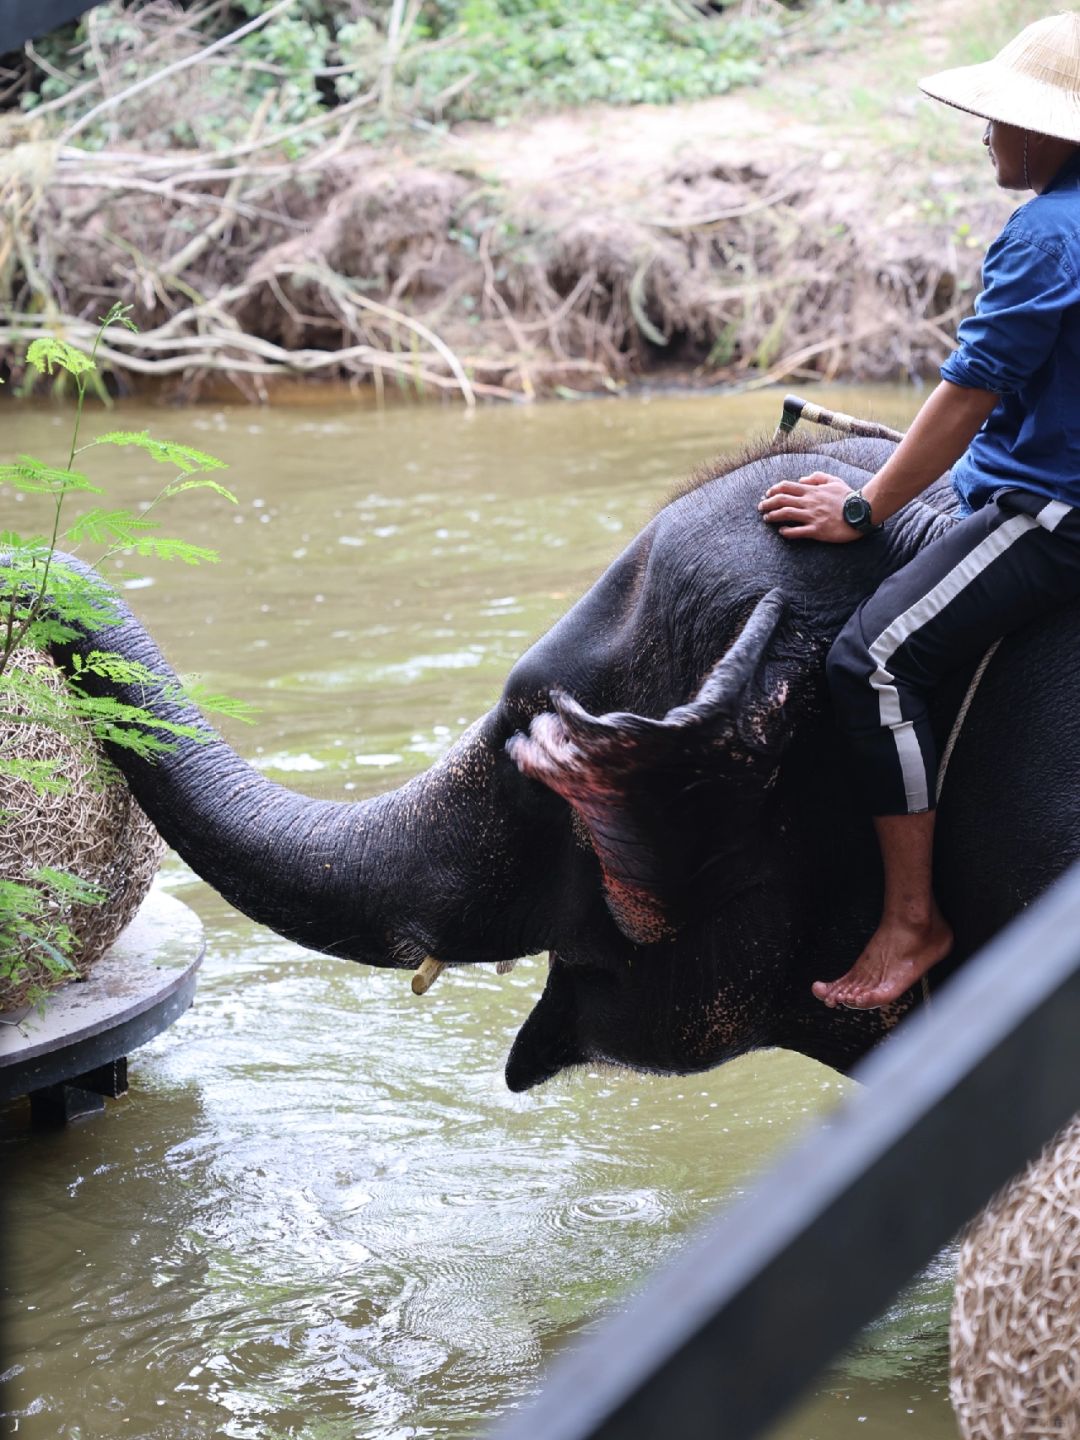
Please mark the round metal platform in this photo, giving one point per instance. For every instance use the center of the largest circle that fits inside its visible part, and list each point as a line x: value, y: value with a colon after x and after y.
x: 72, y: 1054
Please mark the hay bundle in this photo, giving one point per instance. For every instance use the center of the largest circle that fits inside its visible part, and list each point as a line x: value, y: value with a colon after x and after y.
x: 1015, y: 1329
x: 93, y: 829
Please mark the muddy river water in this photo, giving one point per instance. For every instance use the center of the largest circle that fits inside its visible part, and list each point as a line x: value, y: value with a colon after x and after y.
x: 319, y: 1214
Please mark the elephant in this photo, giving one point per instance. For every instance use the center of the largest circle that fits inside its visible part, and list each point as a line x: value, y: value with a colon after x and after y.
x: 659, y: 798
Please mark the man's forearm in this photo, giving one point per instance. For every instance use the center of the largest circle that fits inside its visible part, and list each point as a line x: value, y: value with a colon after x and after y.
x: 939, y: 435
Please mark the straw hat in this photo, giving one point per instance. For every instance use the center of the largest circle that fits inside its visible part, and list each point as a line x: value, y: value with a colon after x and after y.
x: 1034, y: 83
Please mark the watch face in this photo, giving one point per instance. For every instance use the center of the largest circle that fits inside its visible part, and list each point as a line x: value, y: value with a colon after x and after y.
x: 856, y: 510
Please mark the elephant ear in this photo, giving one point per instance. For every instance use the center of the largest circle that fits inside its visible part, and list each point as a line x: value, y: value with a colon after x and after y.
x: 667, y: 803
x: 547, y: 1042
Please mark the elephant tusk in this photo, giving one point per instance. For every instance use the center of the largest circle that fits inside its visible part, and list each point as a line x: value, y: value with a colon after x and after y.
x: 427, y: 972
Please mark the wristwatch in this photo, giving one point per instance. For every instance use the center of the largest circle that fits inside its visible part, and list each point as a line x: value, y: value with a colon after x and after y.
x: 856, y: 511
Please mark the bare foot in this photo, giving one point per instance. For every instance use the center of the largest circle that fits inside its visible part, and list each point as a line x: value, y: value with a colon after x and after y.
x: 898, y: 954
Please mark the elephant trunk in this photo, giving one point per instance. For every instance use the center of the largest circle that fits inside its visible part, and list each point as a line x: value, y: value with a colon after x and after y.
x: 344, y: 878
x: 297, y: 865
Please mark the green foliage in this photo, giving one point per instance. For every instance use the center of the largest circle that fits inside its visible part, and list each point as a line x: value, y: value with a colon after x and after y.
x: 167, y: 452
x: 426, y: 59
x: 510, y: 55
x: 41, y: 775
x: 44, y: 603
x: 34, y: 935
x: 279, y: 63
x: 49, y: 354
x: 34, y: 478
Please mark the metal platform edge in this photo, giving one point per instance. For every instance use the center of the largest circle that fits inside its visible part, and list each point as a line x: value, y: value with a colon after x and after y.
x: 141, y: 986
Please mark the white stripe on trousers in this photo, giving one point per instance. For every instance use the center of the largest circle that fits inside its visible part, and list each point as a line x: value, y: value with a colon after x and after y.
x: 916, y: 781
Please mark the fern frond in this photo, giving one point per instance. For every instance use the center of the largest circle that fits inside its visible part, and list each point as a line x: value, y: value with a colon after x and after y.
x: 166, y: 549
x: 211, y: 703
x: 109, y: 527
x: 73, y: 889
x: 33, y: 477
x: 166, y: 452
x: 43, y: 776
x: 119, y: 313
x: 49, y: 352
x: 116, y: 668
x: 203, y: 484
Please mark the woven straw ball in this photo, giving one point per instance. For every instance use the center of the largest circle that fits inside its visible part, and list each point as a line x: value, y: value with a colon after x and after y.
x: 1015, y: 1332
x: 94, y: 829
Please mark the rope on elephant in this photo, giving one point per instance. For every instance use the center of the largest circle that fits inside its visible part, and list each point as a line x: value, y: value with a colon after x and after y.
x: 950, y: 746
x: 961, y: 716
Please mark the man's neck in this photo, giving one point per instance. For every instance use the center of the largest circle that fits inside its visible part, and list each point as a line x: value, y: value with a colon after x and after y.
x: 1060, y: 160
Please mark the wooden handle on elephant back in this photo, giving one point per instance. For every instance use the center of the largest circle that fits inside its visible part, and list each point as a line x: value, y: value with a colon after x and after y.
x: 796, y: 409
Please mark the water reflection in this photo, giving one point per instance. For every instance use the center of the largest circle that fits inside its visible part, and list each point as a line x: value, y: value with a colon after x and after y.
x: 320, y: 1213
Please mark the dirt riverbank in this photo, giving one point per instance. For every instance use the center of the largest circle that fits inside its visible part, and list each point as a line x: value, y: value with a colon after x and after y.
x: 829, y: 224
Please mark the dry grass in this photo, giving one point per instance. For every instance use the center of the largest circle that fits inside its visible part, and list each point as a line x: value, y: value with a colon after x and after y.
x: 424, y: 271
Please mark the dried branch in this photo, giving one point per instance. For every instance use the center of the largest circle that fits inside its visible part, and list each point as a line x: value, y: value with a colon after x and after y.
x: 155, y: 164
x: 403, y: 16
x: 111, y: 101
x: 341, y: 287
x: 721, y: 217
x: 227, y: 213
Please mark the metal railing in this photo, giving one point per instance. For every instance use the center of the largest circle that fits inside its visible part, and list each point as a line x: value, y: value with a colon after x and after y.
x: 724, y: 1339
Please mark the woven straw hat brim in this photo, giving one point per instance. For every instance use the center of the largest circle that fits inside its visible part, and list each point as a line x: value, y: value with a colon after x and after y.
x: 993, y: 92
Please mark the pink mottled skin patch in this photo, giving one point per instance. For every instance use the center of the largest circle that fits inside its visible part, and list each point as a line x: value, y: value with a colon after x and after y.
x: 638, y: 913
x: 549, y: 755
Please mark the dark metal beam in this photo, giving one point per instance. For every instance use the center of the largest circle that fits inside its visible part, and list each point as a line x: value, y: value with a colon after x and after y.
x: 22, y: 20
x: 726, y: 1338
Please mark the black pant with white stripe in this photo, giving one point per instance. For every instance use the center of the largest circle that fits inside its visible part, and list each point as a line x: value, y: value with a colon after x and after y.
x: 1010, y: 561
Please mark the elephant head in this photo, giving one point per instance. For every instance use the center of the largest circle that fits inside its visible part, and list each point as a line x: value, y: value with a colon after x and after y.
x: 668, y: 804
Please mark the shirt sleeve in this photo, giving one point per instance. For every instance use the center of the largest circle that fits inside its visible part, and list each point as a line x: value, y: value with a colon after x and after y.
x: 1017, y: 317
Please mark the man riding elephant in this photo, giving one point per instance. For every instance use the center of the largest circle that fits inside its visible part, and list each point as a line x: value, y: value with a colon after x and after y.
x: 1006, y: 418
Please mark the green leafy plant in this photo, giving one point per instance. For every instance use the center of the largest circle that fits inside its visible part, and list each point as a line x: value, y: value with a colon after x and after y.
x: 32, y: 923
x: 43, y: 602
x: 510, y: 55
x: 417, y: 59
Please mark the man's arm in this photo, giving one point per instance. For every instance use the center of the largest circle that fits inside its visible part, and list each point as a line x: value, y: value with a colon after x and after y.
x: 810, y: 508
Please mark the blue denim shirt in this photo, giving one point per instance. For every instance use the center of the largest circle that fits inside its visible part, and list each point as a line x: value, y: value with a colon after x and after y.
x: 1023, y: 343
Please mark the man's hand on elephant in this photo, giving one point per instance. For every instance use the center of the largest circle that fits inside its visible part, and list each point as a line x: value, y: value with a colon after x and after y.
x: 809, y: 509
